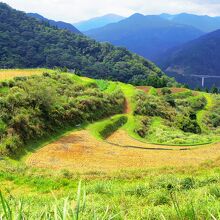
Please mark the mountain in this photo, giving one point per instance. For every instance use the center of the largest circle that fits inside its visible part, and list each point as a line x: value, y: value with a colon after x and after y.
x: 148, y: 36
x: 27, y: 43
x: 98, y: 22
x: 198, y: 57
x: 58, y: 24
x: 203, y: 22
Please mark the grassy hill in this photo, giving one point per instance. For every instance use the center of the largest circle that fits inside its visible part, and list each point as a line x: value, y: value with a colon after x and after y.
x: 101, y: 149
x: 32, y: 110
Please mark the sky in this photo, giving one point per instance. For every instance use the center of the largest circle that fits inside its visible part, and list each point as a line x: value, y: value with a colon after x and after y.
x: 73, y: 11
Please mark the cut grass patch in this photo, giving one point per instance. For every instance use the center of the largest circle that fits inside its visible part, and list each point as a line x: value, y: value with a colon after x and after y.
x: 6, y: 74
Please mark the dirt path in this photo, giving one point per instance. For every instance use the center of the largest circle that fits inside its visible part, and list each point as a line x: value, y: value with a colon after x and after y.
x: 127, y: 108
x: 80, y: 151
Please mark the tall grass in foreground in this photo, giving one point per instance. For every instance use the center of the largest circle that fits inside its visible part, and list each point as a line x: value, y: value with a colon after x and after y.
x: 77, y: 210
x: 17, y: 210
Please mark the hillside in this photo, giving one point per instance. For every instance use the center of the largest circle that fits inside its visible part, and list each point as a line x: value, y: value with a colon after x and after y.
x: 31, y: 110
x: 25, y: 42
x: 98, y: 22
x: 198, y: 57
x: 81, y: 138
x: 148, y: 36
x: 202, y: 22
x: 58, y: 24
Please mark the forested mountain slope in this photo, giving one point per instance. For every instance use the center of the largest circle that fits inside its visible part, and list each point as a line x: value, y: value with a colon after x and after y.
x: 25, y: 42
x: 148, y: 36
x: 198, y: 57
x: 58, y: 24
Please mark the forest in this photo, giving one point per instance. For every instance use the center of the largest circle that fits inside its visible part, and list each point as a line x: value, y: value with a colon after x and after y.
x: 27, y: 43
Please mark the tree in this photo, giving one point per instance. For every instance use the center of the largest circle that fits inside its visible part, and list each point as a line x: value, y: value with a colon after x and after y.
x: 214, y: 90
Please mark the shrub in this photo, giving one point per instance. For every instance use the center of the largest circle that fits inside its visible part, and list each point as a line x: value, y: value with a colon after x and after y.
x: 113, y: 126
x: 166, y: 91
x: 150, y: 105
x: 40, y: 105
x: 143, y: 126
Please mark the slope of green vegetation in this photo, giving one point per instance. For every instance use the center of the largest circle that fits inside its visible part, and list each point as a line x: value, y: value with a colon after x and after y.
x: 176, y: 119
x: 36, y: 106
x: 56, y: 103
x: 105, y: 128
x: 27, y: 43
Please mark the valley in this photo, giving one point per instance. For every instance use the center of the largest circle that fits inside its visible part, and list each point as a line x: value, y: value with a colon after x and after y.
x: 91, y: 130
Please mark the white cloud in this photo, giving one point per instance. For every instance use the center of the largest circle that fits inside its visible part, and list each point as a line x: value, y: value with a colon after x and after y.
x: 76, y: 10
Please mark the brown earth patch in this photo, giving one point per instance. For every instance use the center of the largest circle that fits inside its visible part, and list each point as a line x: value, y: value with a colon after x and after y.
x: 80, y: 151
x: 174, y: 90
x: 127, y: 107
x: 144, y: 88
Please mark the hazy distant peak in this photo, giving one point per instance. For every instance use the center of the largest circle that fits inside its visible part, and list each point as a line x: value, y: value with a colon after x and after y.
x: 98, y: 22
x: 137, y: 15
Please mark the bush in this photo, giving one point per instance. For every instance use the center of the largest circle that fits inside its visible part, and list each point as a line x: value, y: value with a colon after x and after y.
x: 43, y: 104
x: 113, y: 126
x: 150, y: 105
x: 166, y: 91
x: 143, y: 126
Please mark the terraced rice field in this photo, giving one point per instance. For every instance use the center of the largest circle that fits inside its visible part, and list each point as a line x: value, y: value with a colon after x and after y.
x: 173, y: 90
x: 80, y: 151
x: 10, y: 74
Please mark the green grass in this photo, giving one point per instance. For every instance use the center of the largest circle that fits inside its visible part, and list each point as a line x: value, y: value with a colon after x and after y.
x: 97, y: 128
x: 4, y: 90
x: 190, y: 193
x: 159, y: 133
x: 201, y: 114
x: 129, y: 92
x: 153, y: 91
x: 166, y: 193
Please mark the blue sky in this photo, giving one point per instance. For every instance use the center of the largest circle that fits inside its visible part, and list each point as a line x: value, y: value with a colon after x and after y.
x: 77, y: 10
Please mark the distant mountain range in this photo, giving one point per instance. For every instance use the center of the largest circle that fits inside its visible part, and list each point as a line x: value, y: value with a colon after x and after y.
x: 149, y: 36
x: 98, y: 22
x: 203, y: 22
x: 58, y: 24
x: 194, y: 59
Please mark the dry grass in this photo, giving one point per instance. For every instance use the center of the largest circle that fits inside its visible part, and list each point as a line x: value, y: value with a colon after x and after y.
x: 80, y: 151
x: 11, y: 73
x: 144, y: 88
x: 174, y: 90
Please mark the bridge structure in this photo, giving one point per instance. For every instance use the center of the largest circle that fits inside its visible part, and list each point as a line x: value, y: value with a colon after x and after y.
x: 203, y: 77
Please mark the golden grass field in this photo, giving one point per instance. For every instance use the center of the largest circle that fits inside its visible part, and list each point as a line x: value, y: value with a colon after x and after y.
x: 80, y: 151
x: 11, y: 73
